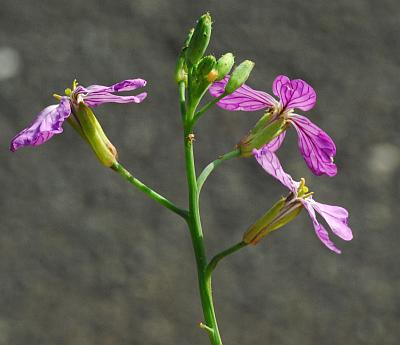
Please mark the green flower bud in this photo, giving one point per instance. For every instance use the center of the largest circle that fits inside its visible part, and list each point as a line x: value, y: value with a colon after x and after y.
x: 181, y: 67
x: 239, y: 75
x: 283, y: 212
x: 266, y: 129
x: 201, y: 79
x: 200, y: 39
x: 205, y: 66
x: 91, y: 130
x: 224, y: 65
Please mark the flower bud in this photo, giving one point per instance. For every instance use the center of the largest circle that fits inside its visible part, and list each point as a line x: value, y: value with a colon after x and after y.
x: 266, y: 129
x: 283, y: 212
x: 181, y: 67
x: 201, y: 78
x: 95, y: 136
x: 200, y: 39
x: 239, y: 75
x: 204, y: 67
x: 224, y: 65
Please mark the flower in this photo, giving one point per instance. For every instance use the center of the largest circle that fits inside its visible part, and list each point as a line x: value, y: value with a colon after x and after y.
x: 317, y: 148
x: 336, y: 217
x: 50, y: 120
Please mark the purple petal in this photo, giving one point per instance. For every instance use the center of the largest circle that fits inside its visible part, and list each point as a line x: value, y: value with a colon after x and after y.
x: 337, y: 219
x: 275, y: 143
x: 244, y: 98
x: 319, y: 229
x: 95, y: 95
x: 270, y: 162
x: 96, y: 98
x: 48, y: 122
x: 317, y: 148
x: 125, y: 85
x: 294, y: 93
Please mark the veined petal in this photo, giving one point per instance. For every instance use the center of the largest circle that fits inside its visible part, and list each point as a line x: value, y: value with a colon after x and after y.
x: 319, y: 228
x: 294, y: 93
x: 317, y: 147
x: 96, y: 98
x: 48, y: 122
x: 125, y: 85
x: 244, y: 98
x: 276, y: 143
x: 270, y: 163
x: 336, y: 217
x: 97, y: 94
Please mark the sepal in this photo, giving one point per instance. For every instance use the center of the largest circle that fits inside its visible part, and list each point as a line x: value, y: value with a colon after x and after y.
x: 283, y: 212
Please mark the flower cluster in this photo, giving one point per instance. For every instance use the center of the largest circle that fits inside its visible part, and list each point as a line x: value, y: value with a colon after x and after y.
x: 316, y: 147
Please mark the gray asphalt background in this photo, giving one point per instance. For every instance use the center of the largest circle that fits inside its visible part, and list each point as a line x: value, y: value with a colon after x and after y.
x: 86, y: 259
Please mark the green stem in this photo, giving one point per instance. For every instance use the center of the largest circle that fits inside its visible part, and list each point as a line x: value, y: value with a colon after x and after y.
x: 217, y: 258
x: 194, y: 222
x: 210, y: 167
x: 147, y: 190
x: 206, y: 107
x: 198, y: 246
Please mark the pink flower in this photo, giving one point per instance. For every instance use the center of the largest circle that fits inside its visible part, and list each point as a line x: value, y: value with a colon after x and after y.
x: 51, y: 119
x: 336, y: 217
x: 316, y: 147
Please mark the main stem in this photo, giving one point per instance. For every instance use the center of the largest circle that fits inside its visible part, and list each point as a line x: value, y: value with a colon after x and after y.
x: 204, y: 280
x: 198, y: 246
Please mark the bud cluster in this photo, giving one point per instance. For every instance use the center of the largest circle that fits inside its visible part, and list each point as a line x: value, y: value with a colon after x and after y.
x: 198, y: 72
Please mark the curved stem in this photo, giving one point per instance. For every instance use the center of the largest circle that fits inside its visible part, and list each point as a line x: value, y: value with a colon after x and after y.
x: 217, y: 258
x: 206, y: 107
x: 210, y: 167
x: 147, y: 190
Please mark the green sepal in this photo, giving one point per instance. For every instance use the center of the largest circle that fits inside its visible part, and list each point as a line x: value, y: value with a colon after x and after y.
x: 282, y: 213
x: 200, y: 39
x: 95, y: 136
x: 263, y: 132
x: 260, y: 227
x: 239, y: 76
x: 224, y: 65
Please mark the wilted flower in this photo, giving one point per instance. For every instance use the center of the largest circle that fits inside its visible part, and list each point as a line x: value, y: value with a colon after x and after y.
x: 315, y: 145
x: 336, y: 217
x: 50, y: 120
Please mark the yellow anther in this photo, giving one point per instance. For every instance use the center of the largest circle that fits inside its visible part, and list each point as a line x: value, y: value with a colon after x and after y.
x: 57, y: 97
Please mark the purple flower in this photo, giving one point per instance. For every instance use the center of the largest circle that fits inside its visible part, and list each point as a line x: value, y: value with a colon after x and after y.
x: 50, y: 120
x: 315, y: 145
x: 336, y: 217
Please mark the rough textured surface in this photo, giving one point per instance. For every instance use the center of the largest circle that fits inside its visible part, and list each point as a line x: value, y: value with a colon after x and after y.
x: 85, y: 259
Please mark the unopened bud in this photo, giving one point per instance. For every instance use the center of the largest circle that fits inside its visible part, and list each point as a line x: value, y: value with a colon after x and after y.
x: 201, y: 79
x: 200, y: 39
x: 95, y: 136
x: 181, y: 67
x: 239, y: 76
x: 224, y: 65
x: 283, y: 212
x: 205, y: 66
